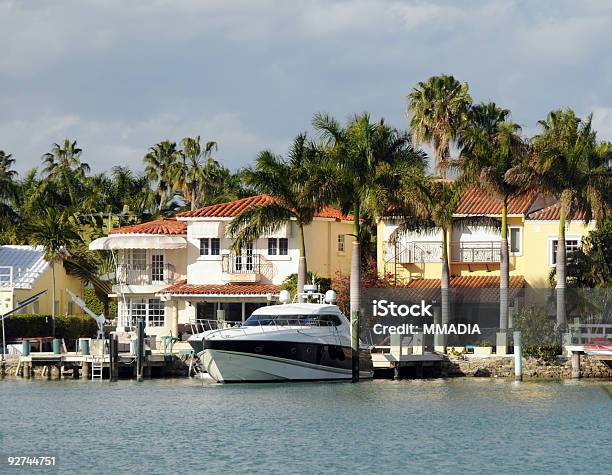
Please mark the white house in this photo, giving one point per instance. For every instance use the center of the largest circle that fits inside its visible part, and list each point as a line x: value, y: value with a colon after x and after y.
x: 174, y: 271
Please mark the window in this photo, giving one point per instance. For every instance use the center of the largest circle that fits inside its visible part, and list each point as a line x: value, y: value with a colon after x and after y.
x: 70, y: 308
x: 205, y: 311
x: 157, y: 267
x: 571, y: 245
x: 152, y: 311
x: 210, y: 246
x: 137, y: 258
x: 340, y: 242
x: 156, y: 313
x: 515, y: 240
x: 278, y: 246
x: 283, y: 246
x: 272, y: 246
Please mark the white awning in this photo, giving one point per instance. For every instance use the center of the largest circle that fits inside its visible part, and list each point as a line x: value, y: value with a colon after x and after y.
x: 206, y: 229
x: 140, y: 241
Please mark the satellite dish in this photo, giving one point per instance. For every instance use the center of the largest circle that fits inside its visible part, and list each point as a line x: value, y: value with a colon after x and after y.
x: 330, y: 297
x: 284, y: 296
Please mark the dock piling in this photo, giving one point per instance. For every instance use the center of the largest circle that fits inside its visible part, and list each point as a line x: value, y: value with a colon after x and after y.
x: 140, y: 350
x: 518, y: 357
x: 575, y: 365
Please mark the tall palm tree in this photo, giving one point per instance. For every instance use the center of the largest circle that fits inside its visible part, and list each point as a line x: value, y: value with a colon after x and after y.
x: 7, y: 181
x: 159, y: 163
x: 491, y: 147
x: 294, y: 186
x: 438, y: 110
x: 189, y: 173
x: 567, y: 163
x: 63, y: 167
x: 428, y: 205
x: 53, y: 230
x: 365, y: 160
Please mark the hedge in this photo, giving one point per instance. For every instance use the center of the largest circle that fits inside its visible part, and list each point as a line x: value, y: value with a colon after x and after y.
x: 68, y: 327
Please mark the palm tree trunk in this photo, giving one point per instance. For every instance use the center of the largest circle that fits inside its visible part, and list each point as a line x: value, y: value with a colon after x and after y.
x: 355, y: 290
x: 302, y: 267
x: 445, y: 283
x: 53, y: 297
x: 504, y: 269
x: 561, y: 270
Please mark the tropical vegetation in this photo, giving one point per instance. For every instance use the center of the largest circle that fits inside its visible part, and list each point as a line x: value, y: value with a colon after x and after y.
x: 366, y: 167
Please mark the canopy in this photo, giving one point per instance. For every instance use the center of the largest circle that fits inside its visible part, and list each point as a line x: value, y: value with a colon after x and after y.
x: 132, y: 241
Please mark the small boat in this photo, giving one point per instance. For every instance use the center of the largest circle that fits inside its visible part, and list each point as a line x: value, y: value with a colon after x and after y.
x: 599, y: 347
x: 286, y: 342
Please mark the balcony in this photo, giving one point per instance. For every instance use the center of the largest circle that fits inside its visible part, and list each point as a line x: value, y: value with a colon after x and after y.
x: 245, y: 268
x: 157, y: 274
x: 414, y: 252
x: 476, y: 252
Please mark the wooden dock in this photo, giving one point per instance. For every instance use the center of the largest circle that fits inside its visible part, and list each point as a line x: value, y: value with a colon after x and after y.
x: 98, y: 363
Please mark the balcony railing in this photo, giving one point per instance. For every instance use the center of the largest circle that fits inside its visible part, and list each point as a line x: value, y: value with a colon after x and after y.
x: 476, y: 251
x: 133, y: 274
x: 245, y: 267
x: 414, y: 252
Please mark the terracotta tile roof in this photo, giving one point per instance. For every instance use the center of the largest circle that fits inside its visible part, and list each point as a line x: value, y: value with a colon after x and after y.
x: 234, y: 208
x: 468, y: 282
x: 183, y: 288
x: 551, y: 213
x: 475, y: 289
x: 159, y: 226
x: 477, y: 201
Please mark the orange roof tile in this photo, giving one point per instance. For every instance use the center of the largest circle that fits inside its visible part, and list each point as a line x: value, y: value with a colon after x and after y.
x: 234, y: 208
x: 477, y: 201
x: 468, y: 282
x: 551, y: 213
x: 159, y: 226
x: 183, y: 288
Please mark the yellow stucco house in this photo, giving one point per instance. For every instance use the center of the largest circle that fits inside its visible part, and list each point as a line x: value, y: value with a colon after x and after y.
x: 25, y: 272
x: 533, y: 222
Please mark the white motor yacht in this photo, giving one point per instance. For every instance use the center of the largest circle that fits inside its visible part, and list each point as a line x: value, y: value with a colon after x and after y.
x: 286, y: 342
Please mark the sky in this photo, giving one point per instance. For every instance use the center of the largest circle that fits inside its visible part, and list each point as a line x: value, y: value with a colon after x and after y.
x: 119, y: 76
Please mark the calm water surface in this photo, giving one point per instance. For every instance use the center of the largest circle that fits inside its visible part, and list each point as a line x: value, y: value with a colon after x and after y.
x: 163, y: 426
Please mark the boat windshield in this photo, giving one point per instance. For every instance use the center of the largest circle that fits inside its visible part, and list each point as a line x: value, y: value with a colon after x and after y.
x: 293, y: 320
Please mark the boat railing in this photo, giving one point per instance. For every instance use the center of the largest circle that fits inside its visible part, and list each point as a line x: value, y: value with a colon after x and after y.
x: 274, y: 324
x: 201, y: 325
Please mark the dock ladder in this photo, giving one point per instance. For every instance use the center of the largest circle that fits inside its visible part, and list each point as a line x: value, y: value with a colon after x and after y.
x: 97, y: 367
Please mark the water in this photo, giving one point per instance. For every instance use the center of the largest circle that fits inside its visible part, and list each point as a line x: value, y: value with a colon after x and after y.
x: 437, y: 426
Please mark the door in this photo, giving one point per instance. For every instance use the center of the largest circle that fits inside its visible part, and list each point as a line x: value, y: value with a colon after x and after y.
x: 244, y: 259
x: 157, y: 268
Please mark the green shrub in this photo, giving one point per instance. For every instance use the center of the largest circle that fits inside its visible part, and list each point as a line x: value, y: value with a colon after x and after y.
x: 545, y: 352
x: 68, y: 327
x: 535, y: 326
x: 97, y: 306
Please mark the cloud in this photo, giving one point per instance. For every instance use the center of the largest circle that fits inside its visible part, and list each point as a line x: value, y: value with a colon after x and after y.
x: 602, y: 122
x: 109, y: 143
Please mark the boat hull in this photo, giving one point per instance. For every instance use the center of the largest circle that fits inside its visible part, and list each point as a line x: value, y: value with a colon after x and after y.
x: 229, y: 362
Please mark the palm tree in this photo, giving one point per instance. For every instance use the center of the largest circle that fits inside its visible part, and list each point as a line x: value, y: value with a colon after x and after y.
x: 159, y: 163
x: 428, y: 205
x: 365, y: 160
x: 189, y: 173
x: 63, y: 167
x: 53, y: 230
x: 7, y: 184
x: 294, y: 186
x: 567, y: 163
x: 438, y: 110
x: 491, y: 147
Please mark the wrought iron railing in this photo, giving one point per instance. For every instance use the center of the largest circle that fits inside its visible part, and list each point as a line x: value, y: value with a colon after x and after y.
x: 134, y: 274
x: 476, y: 251
x: 414, y: 252
x: 241, y: 263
